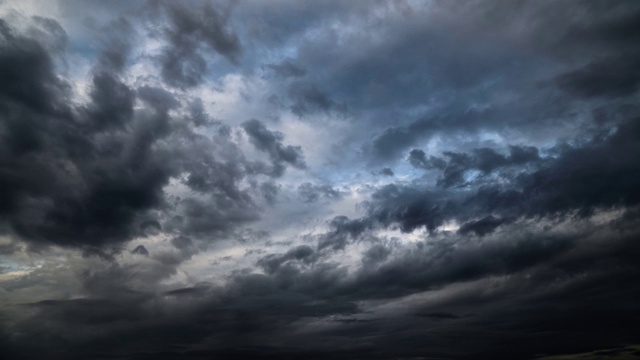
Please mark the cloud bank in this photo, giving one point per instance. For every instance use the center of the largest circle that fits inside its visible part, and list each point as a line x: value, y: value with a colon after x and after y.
x: 339, y: 180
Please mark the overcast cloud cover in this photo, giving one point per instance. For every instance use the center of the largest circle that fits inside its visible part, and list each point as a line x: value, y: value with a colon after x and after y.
x: 318, y: 179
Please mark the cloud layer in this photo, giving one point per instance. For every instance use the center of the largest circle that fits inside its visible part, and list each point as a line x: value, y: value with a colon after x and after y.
x: 343, y: 180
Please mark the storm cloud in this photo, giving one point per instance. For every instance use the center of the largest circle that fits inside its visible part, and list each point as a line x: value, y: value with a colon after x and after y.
x: 331, y: 180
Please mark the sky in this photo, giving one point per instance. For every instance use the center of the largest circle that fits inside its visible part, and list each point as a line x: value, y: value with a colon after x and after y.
x: 319, y: 179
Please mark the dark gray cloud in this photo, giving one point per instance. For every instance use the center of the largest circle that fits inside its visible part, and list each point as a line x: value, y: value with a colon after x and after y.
x: 252, y: 310
x: 390, y: 143
x: 270, y: 142
x: 610, y: 77
x: 112, y: 104
x: 140, y: 250
x: 134, y: 226
x: 287, y: 69
x: 343, y: 231
x: 193, y: 34
x: 386, y: 171
x: 418, y: 159
x: 481, y: 227
x: 485, y: 160
x: 432, y: 90
x: 52, y: 34
x: 272, y: 263
x: 311, y: 193
x: 89, y: 175
x: 35, y: 87
x: 119, y: 35
x: 376, y: 254
x: 310, y: 99
x: 577, y: 179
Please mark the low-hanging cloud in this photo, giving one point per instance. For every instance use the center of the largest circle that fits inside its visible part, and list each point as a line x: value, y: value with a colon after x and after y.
x: 330, y: 180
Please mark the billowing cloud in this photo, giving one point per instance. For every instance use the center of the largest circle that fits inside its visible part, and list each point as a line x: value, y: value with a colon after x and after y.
x: 192, y: 35
x: 305, y: 179
x: 270, y: 142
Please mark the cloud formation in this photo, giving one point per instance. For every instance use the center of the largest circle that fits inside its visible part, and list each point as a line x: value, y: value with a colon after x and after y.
x: 350, y: 180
